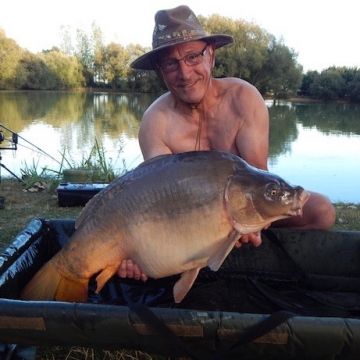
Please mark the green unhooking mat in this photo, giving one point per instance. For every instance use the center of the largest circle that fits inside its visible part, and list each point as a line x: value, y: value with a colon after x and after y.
x: 305, y: 285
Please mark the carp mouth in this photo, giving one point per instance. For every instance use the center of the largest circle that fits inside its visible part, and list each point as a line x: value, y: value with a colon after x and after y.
x: 300, y: 198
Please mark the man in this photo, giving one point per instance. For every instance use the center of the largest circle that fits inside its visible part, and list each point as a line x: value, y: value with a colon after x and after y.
x: 203, y: 113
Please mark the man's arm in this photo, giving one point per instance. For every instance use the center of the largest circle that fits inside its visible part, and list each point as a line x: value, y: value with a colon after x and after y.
x: 252, y: 140
x: 151, y: 133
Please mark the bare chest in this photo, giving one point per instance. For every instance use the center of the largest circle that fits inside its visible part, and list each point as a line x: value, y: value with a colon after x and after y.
x: 204, y: 135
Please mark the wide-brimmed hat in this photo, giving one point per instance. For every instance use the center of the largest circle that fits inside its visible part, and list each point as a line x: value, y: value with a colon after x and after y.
x: 176, y: 26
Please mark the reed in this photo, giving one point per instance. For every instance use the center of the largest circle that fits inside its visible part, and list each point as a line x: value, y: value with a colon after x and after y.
x: 102, y: 167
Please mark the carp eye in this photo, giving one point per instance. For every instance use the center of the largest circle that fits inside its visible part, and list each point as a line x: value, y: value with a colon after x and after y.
x: 271, y: 190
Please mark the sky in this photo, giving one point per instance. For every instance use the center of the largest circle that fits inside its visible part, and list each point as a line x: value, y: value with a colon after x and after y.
x: 323, y: 32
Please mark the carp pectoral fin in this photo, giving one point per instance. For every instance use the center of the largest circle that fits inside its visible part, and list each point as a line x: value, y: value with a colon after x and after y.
x: 49, y: 284
x: 214, y: 262
x: 184, y: 284
x: 103, y: 277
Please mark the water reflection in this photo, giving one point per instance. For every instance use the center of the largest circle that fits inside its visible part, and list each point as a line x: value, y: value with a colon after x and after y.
x: 312, y: 144
x: 330, y: 118
x: 91, y: 114
x: 70, y: 122
x: 317, y: 145
x: 283, y: 129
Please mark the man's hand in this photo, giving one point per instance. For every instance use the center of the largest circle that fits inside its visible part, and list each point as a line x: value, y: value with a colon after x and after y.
x: 128, y: 269
x: 253, y: 238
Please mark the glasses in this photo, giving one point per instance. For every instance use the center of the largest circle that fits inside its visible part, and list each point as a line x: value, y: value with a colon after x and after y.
x: 172, y: 64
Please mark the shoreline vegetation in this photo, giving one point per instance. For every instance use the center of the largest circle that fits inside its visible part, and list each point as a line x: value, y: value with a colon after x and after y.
x: 256, y: 56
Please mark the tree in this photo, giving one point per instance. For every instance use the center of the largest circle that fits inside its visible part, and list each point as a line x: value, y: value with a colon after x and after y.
x: 334, y: 83
x: 85, y: 53
x: 307, y: 81
x: 247, y: 55
x: 282, y: 70
x: 116, y: 60
x: 351, y: 77
x: 38, y: 76
x: 51, y: 70
x: 140, y: 80
x: 10, y: 58
x: 329, y: 85
x: 98, y: 53
x: 66, y: 45
x: 353, y: 88
x: 255, y: 56
x: 66, y: 71
x: 134, y: 76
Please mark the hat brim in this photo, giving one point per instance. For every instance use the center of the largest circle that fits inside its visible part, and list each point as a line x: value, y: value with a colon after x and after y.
x: 146, y: 61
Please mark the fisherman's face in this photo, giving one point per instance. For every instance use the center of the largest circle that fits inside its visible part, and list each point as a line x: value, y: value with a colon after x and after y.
x: 188, y: 82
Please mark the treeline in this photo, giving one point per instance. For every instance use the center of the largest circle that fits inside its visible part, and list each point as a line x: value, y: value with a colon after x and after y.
x: 334, y: 83
x: 84, y: 60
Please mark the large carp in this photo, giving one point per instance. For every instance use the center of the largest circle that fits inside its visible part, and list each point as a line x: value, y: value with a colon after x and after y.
x: 174, y: 214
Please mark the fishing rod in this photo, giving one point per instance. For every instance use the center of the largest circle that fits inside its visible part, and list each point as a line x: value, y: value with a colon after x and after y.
x: 16, y: 136
x: 14, y: 141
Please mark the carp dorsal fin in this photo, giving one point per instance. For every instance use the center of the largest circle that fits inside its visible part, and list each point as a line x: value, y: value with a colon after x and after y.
x: 218, y: 258
x: 184, y: 284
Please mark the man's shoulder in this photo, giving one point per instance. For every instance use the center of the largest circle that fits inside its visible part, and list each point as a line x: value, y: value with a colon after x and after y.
x: 237, y: 83
x: 157, y: 113
x: 238, y: 88
x: 158, y: 104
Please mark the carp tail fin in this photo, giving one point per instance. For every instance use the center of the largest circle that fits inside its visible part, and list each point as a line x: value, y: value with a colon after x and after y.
x: 50, y: 284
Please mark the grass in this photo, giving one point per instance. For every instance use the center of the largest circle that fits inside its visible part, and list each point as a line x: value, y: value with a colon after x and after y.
x: 22, y: 206
x: 35, y: 195
x: 80, y: 353
x: 347, y: 217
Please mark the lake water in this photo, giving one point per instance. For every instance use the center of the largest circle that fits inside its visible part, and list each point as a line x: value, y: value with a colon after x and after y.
x: 314, y: 145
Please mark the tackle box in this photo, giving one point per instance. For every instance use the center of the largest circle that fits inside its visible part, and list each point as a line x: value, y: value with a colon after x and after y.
x: 77, y: 194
